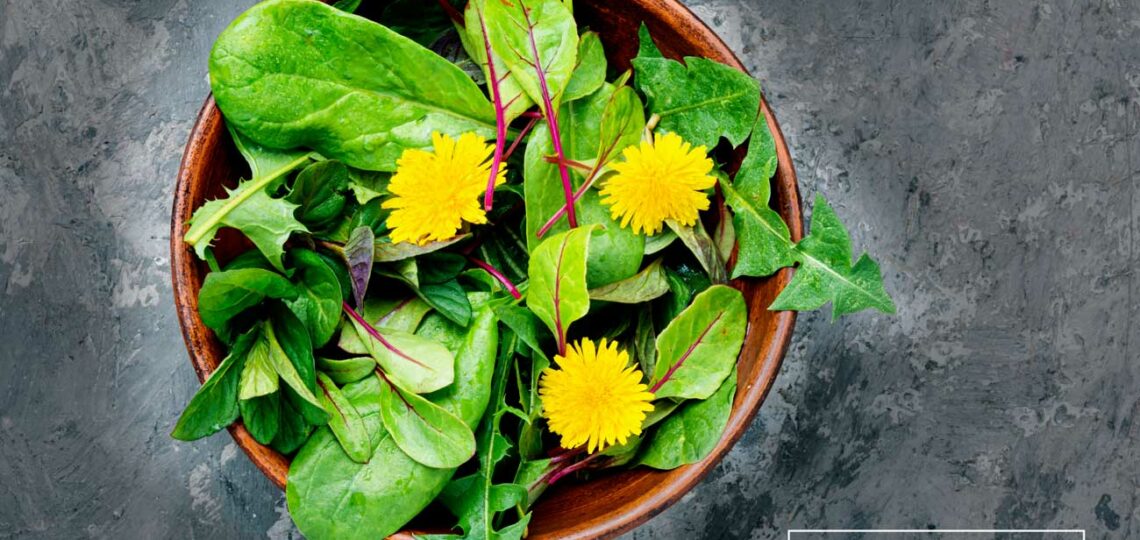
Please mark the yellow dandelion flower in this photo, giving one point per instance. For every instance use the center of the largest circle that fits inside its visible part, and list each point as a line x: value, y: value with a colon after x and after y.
x: 433, y: 193
x: 658, y: 180
x: 595, y: 397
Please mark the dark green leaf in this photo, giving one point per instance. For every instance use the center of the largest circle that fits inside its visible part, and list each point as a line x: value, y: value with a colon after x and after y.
x: 645, y: 339
x: 345, y: 422
x: 319, y: 191
x: 698, y: 349
x: 297, y: 73
x: 279, y: 336
x: 261, y: 416
x: 215, y: 405
x: 646, y: 47
x: 692, y: 432
x: 437, y: 268
x: 226, y: 294
x: 318, y: 305
x: 826, y: 273
x: 525, y: 325
x: 293, y: 430
x: 449, y: 300
x: 648, y: 284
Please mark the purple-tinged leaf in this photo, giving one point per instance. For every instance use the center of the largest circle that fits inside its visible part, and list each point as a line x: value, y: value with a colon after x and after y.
x: 358, y: 253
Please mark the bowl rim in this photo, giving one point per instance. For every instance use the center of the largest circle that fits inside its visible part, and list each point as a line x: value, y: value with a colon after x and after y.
x: 200, y: 341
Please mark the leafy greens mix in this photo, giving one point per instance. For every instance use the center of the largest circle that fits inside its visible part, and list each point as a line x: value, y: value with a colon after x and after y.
x: 384, y: 367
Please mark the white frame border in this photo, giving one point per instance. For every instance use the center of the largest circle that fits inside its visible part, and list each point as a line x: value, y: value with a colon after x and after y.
x: 933, y: 531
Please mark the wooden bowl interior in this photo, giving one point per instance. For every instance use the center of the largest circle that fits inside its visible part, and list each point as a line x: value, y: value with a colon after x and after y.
x: 606, y: 504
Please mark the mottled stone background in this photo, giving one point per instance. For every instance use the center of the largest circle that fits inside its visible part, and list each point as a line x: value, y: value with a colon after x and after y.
x: 983, y: 150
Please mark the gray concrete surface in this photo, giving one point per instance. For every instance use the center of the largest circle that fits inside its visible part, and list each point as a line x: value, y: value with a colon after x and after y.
x: 982, y: 150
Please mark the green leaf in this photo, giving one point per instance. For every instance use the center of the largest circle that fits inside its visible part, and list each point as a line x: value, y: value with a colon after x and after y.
x: 557, y: 293
x: 388, y: 252
x: 215, y: 405
x: 297, y: 73
x: 513, y: 96
x: 645, y: 339
x: 692, y: 432
x: 347, y: 370
x: 702, y: 247
x: 659, y: 241
x: 293, y: 430
x: 284, y: 365
x: 685, y: 282
x: 318, y: 305
x: 345, y: 422
x: 397, y: 314
x: 425, y: 431
x: 826, y: 273
x: 319, y: 192
x: 226, y: 294
x: 264, y: 161
x: 589, y: 70
x: 349, y: 6
x: 266, y: 221
x: 330, y: 496
x: 261, y: 416
x: 648, y: 284
x: 525, y: 325
x: 367, y: 186
x: 417, y: 364
x: 698, y: 349
x: 529, y: 33
x: 646, y: 47
x: 258, y: 377
x: 448, y: 298
x: 700, y: 100
x: 358, y: 255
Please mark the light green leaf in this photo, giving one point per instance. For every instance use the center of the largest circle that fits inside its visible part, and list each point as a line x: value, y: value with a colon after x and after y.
x: 264, y: 161
x: 648, y: 284
x: 282, y: 364
x: 530, y: 33
x: 691, y: 433
x: 258, y: 377
x: 557, y: 272
x: 266, y: 221
x: 698, y: 349
x: 297, y: 73
x: 701, y: 100
x: 826, y: 273
x: 514, y: 98
x: 346, y: 370
x: 425, y: 431
x: 345, y: 422
x: 703, y: 248
x: 416, y: 364
x: 589, y: 70
x: 389, y: 252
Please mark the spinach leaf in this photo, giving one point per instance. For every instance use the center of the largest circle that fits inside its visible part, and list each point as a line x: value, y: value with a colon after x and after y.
x: 358, y: 254
x: 557, y: 292
x: 826, y: 272
x: 391, y: 488
x: 292, y: 429
x: 319, y: 192
x: 267, y: 221
x: 226, y: 294
x: 345, y: 422
x: 384, y: 251
x: 525, y: 325
x: 648, y: 284
x: 289, y: 73
x: 448, y: 297
x: 397, y: 314
x: 417, y: 364
x: 291, y: 357
x: 258, y: 377
x: 347, y: 370
x: 215, y: 405
x: 698, y: 349
x: 701, y: 100
x: 318, y: 304
x: 589, y: 70
x: 691, y: 433
x: 261, y: 416
x: 425, y: 431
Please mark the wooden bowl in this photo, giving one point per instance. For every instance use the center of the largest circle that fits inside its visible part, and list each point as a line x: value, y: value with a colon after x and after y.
x: 608, y: 504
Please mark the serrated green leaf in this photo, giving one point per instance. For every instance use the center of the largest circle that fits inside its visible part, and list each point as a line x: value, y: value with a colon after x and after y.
x: 826, y: 273
x: 701, y: 100
x: 698, y: 349
x: 264, y: 161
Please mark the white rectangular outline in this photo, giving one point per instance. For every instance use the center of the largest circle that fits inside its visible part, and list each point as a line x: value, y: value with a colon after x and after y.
x: 932, y: 531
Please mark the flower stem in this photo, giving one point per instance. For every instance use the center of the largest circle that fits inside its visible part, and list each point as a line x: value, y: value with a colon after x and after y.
x: 495, y: 273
